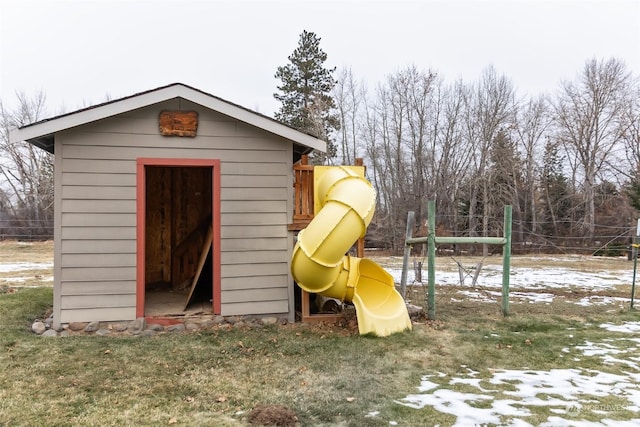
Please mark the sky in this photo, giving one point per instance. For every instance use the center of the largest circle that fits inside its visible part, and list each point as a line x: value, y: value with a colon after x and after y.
x: 80, y: 53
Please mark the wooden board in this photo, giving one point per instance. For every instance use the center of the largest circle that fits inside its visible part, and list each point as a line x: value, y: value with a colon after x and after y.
x: 206, y: 247
x: 178, y: 123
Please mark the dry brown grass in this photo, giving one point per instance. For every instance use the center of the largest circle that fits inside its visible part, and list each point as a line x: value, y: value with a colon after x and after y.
x: 450, y: 263
x: 326, y: 374
x: 14, y: 251
x: 40, y: 254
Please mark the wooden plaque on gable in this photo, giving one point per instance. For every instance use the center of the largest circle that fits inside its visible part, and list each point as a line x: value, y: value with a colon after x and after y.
x: 179, y: 123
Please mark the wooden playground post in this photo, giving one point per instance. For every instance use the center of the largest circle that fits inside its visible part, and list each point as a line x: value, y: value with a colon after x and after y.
x: 431, y: 259
x: 506, y: 260
x: 431, y: 240
x: 411, y: 222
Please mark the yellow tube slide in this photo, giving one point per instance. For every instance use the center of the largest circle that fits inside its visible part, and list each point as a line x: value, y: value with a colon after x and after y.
x: 344, y: 205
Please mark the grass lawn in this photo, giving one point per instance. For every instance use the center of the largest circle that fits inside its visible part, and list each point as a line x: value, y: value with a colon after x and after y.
x: 550, y: 363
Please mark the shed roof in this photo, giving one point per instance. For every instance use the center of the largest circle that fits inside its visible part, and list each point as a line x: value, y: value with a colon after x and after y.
x: 42, y: 133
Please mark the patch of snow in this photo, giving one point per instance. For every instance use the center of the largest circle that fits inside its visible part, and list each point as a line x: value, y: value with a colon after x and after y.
x: 561, y: 422
x: 532, y: 278
x: 22, y: 266
x: 593, y: 349
x: 16, y: 280
x: 485, y: 296
x: 563, y: 391
x: 426, y: 385
x: 627, y: 327
x: 599, y: 300
x: 458, y: 404
x: 533, y: 297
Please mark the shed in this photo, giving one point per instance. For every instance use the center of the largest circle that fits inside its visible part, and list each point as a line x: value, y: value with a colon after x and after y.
x: 169, y: 202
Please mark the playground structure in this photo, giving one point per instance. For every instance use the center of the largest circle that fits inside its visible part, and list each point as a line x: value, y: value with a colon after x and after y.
x: 344, y: 204
x: 432, y: 240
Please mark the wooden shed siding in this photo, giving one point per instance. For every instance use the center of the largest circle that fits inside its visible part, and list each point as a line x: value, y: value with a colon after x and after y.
x: 223, y: 140
x: 83, y: 192
x: 252, y: 232
x: 256, y: 168
x: 106, y: 179
x: 97, y: 246
x: 262, y: 294
x: 94, y: 233
x: 100, y: 288
x: 254, y: 181
x: 253, y: 219
x: 105, y: 166
x: 249, y: 282
x: 257, y: 269
x: 242, y: 206
x: 99, y: 259
x: 105, y: 301
x: 98, y: 219
x: 253, y: 256
x: 251, y: 194
x: 124, y: 179
x: 256, y: 307
x: 98, y: 206
x: 120, y: 141
x: 254, y: 244
x: 97, y: 193
x: 225, y: 155
x: 90, y: 273
x: 97, y: 313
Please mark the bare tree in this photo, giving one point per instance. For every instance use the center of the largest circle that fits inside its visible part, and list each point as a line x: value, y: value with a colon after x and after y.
x: 349, y: 98
x: 532, y: 123
x: 452, y: 151
x: 422, y: 129
x: 27, y: 170
x: 489, y: 110
x: 392, y: 169
x: 630, y: 134
x: 589, y: 120
x: 474, y: 148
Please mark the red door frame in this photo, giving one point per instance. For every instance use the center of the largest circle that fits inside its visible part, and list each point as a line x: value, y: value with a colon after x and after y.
x: 141, y: 208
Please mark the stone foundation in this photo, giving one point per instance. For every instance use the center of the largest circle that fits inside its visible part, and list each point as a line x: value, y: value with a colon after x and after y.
x: 150, y: 327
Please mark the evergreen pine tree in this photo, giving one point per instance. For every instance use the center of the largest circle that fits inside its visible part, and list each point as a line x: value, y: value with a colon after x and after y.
x: 632, y: 191
x: 505, y: 170
x: 305, y: 92
x: 556, y: 193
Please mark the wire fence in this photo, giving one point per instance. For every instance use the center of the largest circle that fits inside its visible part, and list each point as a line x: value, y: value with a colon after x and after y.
x: 609, y: 239
x: 32, y: 230
x: 611, y: 236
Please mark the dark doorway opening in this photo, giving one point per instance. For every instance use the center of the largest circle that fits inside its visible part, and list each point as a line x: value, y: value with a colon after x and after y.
x: 178, y: 267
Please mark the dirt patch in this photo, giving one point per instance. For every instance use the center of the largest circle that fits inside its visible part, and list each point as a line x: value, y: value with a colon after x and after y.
x: 272, y: 415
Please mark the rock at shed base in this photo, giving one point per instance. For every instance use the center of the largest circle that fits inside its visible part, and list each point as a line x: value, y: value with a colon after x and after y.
x: 38, y: 327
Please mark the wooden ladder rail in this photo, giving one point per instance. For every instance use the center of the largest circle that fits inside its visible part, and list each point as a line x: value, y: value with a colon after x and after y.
x: 302, y: 194
x: 189, y: 246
